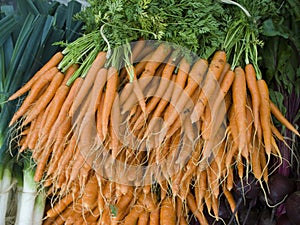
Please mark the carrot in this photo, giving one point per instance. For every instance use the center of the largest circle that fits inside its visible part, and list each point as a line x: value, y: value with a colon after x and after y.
x: 155, y: 217
x: 89, y: 197
x: 61, y: 205
x: 143, y: 218
x: 256, y: 166
x: 34, y: 92
x: 47, y: 96
x: 109, y: 97
x: 167, y: 212
x: 133, y: 215
x: 137, y: 49
x: 255, y: 97
x: 239, y: 97
x: 231, y: 201
x: 181, y: 79
x: 97, y: 89
x: 277, y: 133
x: 193, y: 207
x: 88, y: 80
x: 195, y: 78
x: 99, y: 119
x: 55, y: 59
x: 213, y: 74
x: 278, y: 115
x: 265, y: 116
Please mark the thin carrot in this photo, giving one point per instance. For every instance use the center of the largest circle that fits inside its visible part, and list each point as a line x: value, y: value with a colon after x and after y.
x: 280, y: 117
x: 195, y: 78
x: 239, y: 97
x: 55, y: 59
x: 255, y: 97
x: 42, y: 102
x: 97, y: 64
x: 265, y: 116
x: 34, y: 92
x: 231, y: 201
x: 213, y: 74
x: 109, y: 97
x: 193, y: 207
x: 133, y: 215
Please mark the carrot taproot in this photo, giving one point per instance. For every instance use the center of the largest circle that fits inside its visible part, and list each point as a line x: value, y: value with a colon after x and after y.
x: 109, y: 97
x: 195, y: 78
x: 256, y: 166
x: 133, y: 215
x: 277, y: 133
x: 97, y: 89
x: 230, y: 201
x: 89, y: 79
x: 255, y: 96
x: 54, y: 60
x: 167, y: 212
x: 46, y: 97
x: 155, y: 217
x: 193, y: 207
x: 90, y: 194
x: 265, y: 116
x: 34, y: 92
x: 215, y: 69
x: 61, y: 205
x: 239, y: 98
x: 281, y: 118
x: 143, y: 218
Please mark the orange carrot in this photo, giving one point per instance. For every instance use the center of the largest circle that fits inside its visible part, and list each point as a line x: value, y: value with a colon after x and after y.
x: 109, y: 97
x: 193, y: 207
x: 61, y: 205
x: 133, y: 215
x: 265, y: 116
x: 167, y: 212
x: 55, y: 59
x: 154, y: 217
x: 43, y: 101
x: 213, y: 74
x: 255, y: 97
x: 89, y: 197
x: 34, y: 92
x: 278, y: 115
x: 239, y: 97
x: 195, y: 78
x: 88, y: 80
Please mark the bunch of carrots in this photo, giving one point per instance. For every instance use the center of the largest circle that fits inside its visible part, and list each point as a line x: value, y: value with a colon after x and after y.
x: 154, y: 142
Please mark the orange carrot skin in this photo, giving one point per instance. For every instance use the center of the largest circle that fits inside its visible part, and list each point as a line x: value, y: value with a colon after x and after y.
x: 34, y: 92
x: 214, y: 72
x: 276, y: 112
x: 47, y: 96
x: 55, y: 59
x: 109, y: 97
x: 265, y: 115
x: 239, y: 97
x: 167, y: 212
x: 255, y: 97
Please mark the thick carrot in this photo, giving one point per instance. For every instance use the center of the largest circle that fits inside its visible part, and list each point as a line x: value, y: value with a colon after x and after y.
x: 154, y: 217
x: 255, y: 97
x: 167, y: 212
x: 109, y: 97
x: 239, y: 97
x: 88, y: 80
x: 49, y: 65
x: 256, y: 166
x: 278, y: 115
x: 34, y: 92
x: 89, y: 197
x: 133, y: 215
x: 144, y: 218
x: 43, y: 101
x: 265, y: 116
x: 213, y: 74
x: 99, y: 119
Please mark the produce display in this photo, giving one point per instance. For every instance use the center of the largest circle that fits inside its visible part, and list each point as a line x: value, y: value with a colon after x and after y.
x: 163, y: 112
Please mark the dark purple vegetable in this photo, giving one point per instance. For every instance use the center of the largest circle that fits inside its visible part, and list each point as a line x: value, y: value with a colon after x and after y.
x: 249, y: 188
x: 283, y: 220
x: 280, y: 186
x: 292, y: 205
x: 266, y: 218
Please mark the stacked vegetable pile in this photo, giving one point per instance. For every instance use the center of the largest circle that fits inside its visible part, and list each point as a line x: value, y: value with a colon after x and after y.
x: 27, y: 34
x: 130, y: 131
